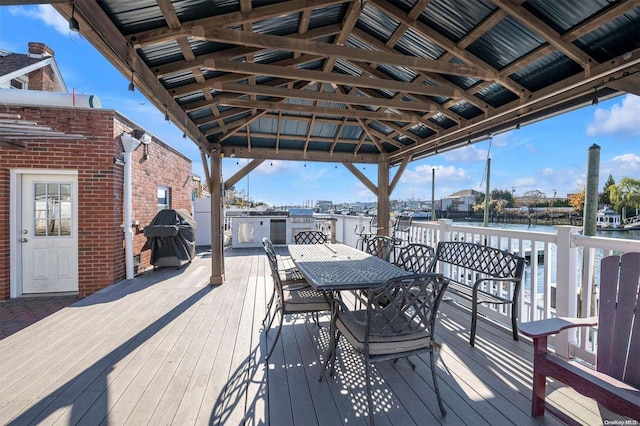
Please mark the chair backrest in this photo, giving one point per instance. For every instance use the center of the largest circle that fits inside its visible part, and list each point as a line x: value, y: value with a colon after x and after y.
x: 270, y: 251
x: 379, y: 246
x: 310, y: 237
x: 415, y: 258
x: 404, y: 305
x: 273, y: 264
x: 483, y: 259
x: 402, y: 228
x: 618, y: 330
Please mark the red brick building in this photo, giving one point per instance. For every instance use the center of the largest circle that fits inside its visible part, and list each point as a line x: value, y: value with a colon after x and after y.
x: 62, y: 198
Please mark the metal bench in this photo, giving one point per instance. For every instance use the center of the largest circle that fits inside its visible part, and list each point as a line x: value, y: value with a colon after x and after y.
x: 481, y: 275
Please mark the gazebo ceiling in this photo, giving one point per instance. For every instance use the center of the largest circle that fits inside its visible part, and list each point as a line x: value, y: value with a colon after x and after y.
x: 357, y: 81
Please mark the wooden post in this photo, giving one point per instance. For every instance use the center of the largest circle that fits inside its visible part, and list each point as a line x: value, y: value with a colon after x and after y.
x: 591, y: 191
x: 383, y: 195
x: 217, y: 222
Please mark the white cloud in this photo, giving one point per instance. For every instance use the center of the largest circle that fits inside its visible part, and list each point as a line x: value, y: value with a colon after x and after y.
x: 620, y: 166
x: 502, y: 139
x: 44, y: 13
x: 466, y: 154
x: 621, y: 119
x: 547, y: 171
x: 272, y: 167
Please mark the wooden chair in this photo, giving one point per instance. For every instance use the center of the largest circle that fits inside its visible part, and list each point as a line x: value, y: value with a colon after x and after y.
x: 310, y: 237
x: 417, y: 258
x: 291, y: 300
x: 615, y: 382
x: 398, y: 321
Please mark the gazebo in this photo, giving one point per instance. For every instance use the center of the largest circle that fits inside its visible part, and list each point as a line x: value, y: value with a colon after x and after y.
x: 359, y: 81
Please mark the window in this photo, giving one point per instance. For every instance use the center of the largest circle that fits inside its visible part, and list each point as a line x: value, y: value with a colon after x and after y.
x: 17, y: 84
x: 163, y: 198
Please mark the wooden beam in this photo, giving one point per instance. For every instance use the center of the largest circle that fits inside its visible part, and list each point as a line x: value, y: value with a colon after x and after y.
x: 370, y: 99
x: 252, y: 165
x: 532, y: 22
x: 422, y: 29
x: 237, y: 52
x: 361, y: 177
x: 349, y: 80
x: 146, y: 38
x: 109, y: 41
x: 297, y: 155
x: 349, y: 53
x: 283, y: 106
x: 398, y: 175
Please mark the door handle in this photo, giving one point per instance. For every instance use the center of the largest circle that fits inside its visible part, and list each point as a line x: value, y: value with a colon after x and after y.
x: 24, y: 240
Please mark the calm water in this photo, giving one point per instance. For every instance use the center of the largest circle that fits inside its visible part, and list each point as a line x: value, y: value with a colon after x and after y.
x: 630, y: 235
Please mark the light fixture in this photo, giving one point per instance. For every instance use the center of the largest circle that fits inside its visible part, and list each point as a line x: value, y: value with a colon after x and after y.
x: 166, y: 113
x: 132, y: 88
x: 73, y: 22
x: 518, y: 126
x: 595, y: 100
x: 469, y: 140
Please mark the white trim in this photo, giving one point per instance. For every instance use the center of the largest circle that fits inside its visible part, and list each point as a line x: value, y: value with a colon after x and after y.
x: 6, y: 78
x: 15, y: 250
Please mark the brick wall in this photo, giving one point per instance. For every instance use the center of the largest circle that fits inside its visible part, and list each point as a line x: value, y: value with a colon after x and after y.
x: 100, y: 193
x: 155, y: 165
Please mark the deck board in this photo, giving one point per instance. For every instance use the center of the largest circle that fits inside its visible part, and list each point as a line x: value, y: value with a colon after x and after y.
x: 167, y: 347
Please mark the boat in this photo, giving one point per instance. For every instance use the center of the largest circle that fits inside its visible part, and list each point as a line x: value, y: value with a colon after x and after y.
x: 632, y: 223
x: 421, y: 216
x: 608, y: 219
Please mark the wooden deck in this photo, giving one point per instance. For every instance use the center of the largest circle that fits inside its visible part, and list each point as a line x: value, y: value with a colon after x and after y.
x: 167, y: 348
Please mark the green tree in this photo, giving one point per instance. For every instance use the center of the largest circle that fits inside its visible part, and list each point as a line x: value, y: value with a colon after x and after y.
x: 503, y: 194
x: 626, y: 193
x: 605, y: 197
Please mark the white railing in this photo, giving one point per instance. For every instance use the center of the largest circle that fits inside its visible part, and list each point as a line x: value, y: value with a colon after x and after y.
x: 554, y: 259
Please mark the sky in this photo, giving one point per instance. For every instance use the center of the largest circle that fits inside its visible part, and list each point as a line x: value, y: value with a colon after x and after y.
x: 549, y: 156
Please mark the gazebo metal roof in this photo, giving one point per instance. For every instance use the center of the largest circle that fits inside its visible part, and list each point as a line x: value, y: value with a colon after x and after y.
x: 350, y: 81
x: 360, y: 81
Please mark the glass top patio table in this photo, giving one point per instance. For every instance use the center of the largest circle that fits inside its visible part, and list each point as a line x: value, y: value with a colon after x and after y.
x: 334, y: 267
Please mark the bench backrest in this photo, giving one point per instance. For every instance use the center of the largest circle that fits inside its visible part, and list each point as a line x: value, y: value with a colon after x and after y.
x: 488, y: 261
x: 618, y: 331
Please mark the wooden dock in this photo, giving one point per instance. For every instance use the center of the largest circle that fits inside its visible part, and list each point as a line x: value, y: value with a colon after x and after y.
x: 167, y: 348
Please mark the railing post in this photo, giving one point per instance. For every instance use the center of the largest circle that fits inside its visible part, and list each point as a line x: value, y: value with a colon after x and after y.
x: 566, y: 286
x: 443, y: 229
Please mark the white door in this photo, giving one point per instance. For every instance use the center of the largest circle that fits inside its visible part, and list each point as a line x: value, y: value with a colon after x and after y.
x: 49, y: 239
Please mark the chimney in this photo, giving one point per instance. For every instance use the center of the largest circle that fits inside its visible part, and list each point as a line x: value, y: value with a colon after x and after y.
x: 39, y: 50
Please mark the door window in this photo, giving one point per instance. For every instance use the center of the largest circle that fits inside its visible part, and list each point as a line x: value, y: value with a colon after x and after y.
x: 52, y: 212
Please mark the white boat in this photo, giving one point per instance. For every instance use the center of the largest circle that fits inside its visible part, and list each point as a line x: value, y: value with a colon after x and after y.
x: 608, y: 219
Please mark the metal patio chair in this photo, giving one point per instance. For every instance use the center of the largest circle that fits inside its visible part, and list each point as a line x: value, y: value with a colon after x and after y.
x: 398, y: 321
x: 289, y: 277
x: 379, y: 246
x: 291, y: 300
x: 415, y: 257
x: 310, y: 237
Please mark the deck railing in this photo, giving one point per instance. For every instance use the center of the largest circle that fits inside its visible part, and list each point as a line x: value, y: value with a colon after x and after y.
x: 561, y: 277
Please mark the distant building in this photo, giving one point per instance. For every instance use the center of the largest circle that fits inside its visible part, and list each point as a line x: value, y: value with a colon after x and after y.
x: 461, y: 201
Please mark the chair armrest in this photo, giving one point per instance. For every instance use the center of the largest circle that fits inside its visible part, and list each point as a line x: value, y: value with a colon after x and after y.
x: 546, y: 327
